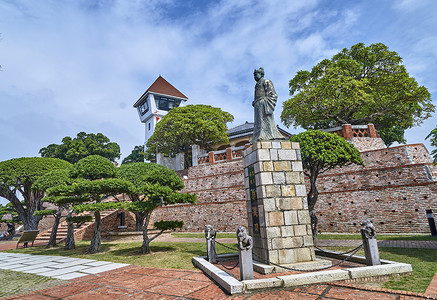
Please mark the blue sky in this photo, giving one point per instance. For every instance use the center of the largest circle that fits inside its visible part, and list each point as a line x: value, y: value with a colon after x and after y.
x: 71, y: 66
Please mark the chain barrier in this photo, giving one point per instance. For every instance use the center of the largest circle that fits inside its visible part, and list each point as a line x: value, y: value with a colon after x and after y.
x: 227, y: 268
x: 235, y: 249
x: 219, y: 262
x: 319, y: 269
x: 342, y: 253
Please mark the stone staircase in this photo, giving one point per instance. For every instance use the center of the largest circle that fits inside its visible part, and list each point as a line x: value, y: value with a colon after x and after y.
x: 61, y: 235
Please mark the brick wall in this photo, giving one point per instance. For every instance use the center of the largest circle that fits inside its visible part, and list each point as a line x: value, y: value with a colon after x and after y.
x: 221, y: 199
x: 394, y: 188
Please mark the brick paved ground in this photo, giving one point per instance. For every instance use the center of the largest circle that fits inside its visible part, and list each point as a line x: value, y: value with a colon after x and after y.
x: 134, y: 282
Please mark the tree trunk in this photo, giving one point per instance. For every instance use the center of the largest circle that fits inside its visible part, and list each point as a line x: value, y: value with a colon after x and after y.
x: 52, y: 240
x: 69, y: 240
x: 145, y: 247
x: 139, y: 220
x: 96, y: 239
x: 312, y: 199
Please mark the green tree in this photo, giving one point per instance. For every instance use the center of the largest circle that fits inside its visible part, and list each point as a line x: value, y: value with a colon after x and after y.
x: 10, y: 212
x: 154, y: 186
x: 137, y: 155
x: 16, y: 179
x: 433, y: 138
x: 46, y: 181
x: 359, y: 85
x: 98, y: 182
x: 391, y: 135
x: 83, y: 145
x: 322, y: 151
x: 185, y: 126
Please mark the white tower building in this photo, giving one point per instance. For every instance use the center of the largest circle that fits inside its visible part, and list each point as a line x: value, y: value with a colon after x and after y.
x: 159, y: 98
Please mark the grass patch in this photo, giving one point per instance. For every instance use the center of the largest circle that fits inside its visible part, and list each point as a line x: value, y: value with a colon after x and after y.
x: 164, y: 254
x: 381, y: 237
x: 220, y: 235
x: 12, y: 282
x: 423, y: 262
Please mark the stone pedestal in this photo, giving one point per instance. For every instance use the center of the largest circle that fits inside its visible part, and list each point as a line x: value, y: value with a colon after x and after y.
x: 277, y: 209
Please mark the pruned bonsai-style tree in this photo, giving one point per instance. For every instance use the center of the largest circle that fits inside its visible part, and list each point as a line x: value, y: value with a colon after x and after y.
x: 154, y: 186
x: 98, y: 183
x: 185, y: 126
x: 17, y: 177
x: 358, y: 86
x: 51, y: 179
x: 322, y: 151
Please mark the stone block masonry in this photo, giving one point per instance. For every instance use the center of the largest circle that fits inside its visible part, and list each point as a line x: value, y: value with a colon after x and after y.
x: 278, y: 216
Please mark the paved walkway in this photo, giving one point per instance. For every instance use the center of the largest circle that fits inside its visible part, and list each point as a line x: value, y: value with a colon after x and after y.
x: 133, y: 282
x: 58, y: 267
x: 88, y: 279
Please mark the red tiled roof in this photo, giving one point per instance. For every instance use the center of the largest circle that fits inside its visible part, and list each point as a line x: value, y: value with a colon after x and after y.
x: 162, y: 86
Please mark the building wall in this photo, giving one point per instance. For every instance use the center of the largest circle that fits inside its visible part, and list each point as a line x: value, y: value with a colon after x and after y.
x: 394, y: 189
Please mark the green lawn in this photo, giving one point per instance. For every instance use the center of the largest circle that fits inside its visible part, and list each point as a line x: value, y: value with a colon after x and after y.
x: 321, y: 236
x: 164, y: 254
x: 423, y: 262
x: 382, y: 237
x: 179, y: 255
x: 202, y: 235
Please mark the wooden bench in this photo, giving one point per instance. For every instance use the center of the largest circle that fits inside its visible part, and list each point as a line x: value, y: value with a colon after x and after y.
x: 27, y: 237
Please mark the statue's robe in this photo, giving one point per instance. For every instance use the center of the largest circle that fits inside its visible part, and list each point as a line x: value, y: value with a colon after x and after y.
x: 264, y: 104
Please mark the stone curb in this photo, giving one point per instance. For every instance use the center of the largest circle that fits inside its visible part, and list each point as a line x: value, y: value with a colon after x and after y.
x: 234, y: 286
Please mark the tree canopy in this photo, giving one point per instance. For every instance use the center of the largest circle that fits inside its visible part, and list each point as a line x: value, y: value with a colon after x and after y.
x: 83, y: 145
x: 360, y: 85
x: 16, y: 179
x: 185, y: 126
x: 322, y: 151
x: 137, y: 155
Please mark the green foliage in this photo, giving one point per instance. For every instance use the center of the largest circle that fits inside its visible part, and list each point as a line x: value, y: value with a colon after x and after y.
x: 53, y: 178
x: 79, y: 219
x: 17, y: 177
x: 184, y: 126
x: 94, y: 167
x: 141, y: 173
x: 168, y: 225
x: 322, y: 151
x: 359, y: 85
x: 433, y: 136
x: 137, y: 155
x: 83, y: 145
x: 391, y: 135
x: 17, y: 172
x: 45, y: 212
x: 102, y: 206
x: 10, y: 211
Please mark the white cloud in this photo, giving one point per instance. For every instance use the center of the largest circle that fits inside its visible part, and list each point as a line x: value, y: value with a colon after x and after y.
x: 79, y: 66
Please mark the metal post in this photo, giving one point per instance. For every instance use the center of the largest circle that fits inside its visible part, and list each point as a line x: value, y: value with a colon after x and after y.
x: 245, y: 244
x: 368, y: 234
x: 431, y: 222
x: 210, y: 234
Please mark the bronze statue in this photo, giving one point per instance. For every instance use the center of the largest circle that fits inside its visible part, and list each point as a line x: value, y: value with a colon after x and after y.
x: 264, y: 104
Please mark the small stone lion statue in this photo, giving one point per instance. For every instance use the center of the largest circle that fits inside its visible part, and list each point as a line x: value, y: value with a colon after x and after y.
x: 368, y: 231
x: 245, y: 241
x: 210, y: 232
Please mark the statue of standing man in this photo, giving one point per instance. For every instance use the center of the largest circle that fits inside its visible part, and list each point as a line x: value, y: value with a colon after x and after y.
x: 264, y: 104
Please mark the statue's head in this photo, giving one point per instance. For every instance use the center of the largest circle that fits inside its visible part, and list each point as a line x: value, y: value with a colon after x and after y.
x: 258, y: 73
x: 260, y: 70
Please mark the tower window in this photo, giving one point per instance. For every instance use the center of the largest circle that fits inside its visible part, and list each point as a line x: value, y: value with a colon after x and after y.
x: 144, y: 107
x: 149, y: 126
x: 163, y: 103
